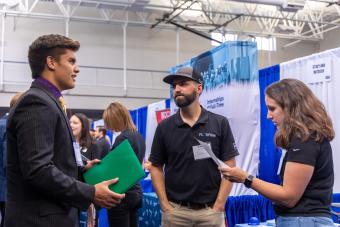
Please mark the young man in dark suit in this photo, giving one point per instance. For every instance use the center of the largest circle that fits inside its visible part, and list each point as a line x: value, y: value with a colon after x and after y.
x: 102, y: 142
x: 44, y: 162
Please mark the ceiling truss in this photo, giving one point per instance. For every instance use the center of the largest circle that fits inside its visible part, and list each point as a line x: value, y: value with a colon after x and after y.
x: 205, y: 16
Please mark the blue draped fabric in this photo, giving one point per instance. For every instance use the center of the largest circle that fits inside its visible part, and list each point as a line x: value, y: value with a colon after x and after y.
x: 147, y: 184
x: 336, y: 199
x: 83, y: 219
x: 139, y: 117
x: 239, y: 209
x: 167, y: 103
x: 150, y: 214
x: 269, y: 154
x: 103, y: 222
x: 142, y: 120
x: 133, y: 114
x: 109, y: 134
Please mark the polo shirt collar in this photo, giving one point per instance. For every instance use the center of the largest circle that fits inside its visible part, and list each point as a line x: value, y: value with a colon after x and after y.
x: 47, y: 84
x: 203, y: 118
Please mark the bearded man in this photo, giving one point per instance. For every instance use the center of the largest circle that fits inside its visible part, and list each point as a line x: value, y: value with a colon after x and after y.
x: 186, y: 180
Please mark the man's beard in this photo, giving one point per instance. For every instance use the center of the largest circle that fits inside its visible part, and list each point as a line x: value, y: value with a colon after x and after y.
x: 185, y: 100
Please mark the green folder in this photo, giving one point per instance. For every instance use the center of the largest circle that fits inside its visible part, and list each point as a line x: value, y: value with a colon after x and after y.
x: 121, y: 162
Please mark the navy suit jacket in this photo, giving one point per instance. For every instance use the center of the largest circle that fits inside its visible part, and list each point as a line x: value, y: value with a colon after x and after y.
x: 3, y: 158
x: 43, y: 185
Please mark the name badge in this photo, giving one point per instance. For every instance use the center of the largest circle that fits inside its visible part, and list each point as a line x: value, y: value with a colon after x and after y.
x: 77, y: 154
x: 200, y: 152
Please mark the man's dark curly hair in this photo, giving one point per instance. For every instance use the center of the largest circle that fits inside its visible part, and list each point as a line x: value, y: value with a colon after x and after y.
x: 48, y: 45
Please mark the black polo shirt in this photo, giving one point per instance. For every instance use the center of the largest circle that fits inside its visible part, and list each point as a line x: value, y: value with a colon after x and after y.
x: 187, y: 179
x: 317, y: 197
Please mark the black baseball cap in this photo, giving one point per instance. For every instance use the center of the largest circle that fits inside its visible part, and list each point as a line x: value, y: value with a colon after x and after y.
x: 184, y: 72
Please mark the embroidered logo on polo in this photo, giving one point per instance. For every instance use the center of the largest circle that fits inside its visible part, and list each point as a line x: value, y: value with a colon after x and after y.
x: 235, y: 147
x: 206, y: 134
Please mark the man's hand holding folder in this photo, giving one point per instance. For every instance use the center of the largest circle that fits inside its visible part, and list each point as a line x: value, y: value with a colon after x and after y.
x: 104, y: 197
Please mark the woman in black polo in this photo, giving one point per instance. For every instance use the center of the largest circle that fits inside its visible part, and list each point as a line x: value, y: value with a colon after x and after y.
x: 304, y: 130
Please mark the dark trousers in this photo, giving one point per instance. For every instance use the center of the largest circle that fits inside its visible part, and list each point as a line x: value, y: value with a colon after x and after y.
x: 126, y: 213
x: 2, y: 210
x: 123, y: 218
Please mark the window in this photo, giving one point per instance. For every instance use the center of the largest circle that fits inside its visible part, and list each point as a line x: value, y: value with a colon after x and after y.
x: 263, y: 43
x: 268, y: 44
x: 220, y: 37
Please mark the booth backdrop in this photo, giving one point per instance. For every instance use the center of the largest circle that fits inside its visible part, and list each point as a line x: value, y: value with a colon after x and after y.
x: 240, y: 97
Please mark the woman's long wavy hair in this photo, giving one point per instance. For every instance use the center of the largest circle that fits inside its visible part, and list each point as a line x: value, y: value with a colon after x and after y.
x: 304, y: 114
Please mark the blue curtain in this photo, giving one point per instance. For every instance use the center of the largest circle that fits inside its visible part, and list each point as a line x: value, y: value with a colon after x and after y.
x: 167, y: 103
x: 239, y: 209
x: 133, y: 114
x: 269, y: 154
x: 150, y: 214
x: 336, y: 199
x: 103, y: 222
x: 139, y: 117
x: 141, y: 120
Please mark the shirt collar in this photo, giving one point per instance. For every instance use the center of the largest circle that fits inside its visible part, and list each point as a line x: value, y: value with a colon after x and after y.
x: 203, y: 118
x: 53, y: 89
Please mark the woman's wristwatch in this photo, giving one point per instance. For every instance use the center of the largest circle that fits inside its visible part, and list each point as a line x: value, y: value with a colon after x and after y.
x: 248, y: 181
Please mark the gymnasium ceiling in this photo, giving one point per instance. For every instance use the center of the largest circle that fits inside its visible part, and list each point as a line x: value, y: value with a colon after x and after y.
x: 296, y: 20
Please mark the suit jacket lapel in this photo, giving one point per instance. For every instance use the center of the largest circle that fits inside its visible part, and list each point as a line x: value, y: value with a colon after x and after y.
x: 37, y: 85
